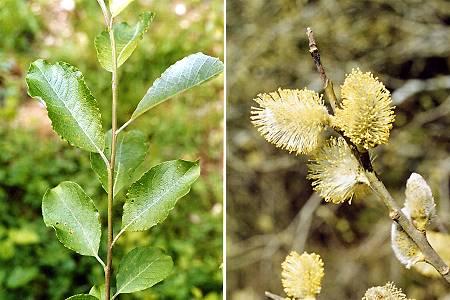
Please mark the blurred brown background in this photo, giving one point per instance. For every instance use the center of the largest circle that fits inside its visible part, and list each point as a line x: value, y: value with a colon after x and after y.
x: 271, y: 209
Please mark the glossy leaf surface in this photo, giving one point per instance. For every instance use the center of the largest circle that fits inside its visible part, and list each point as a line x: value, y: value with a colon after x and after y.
x: 74, y: 217
x: 142, y: 268
x: 126, y: 38
x: 181, y: 76
x: 131, y: 148
x: 71, y: 107
x: 150, y: 199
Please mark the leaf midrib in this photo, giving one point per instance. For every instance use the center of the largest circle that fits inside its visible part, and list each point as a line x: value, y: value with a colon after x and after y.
x: 129, y: 42
x: 119, y: 155
x: 144, y: 110
x: 153, y: 204
x: 137, y: 275
x: 79, y: 223
x: 64, y: 104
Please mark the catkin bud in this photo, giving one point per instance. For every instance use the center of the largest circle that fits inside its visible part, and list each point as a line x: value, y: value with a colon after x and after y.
x: 291, y: 119
x: 302, y: 275
x: 366, y: 115
x: 419, y: 203
x: 386, y: 292
x: 440, y: 243
x: 406, y: 251
x: 337, y: 175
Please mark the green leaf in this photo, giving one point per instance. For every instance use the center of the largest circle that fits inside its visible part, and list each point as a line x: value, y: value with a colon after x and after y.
x: 126, y: 38
x: 131, y: 148
x: 183, y: 75
x: 82, y: 297
x: 116, y: 6
x: 98, y: 291
x: 71, y: 107
x: 150, y: 199
x: 142, y: 268
x: 74, y: 217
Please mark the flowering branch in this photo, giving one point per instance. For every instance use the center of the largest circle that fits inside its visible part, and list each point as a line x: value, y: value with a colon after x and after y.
x: 273, y: 296
x: 363, y: 157
x: 327, y: 83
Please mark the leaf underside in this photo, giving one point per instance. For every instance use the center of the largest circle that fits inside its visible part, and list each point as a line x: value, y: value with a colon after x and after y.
x: 142, y: 268
x: 150, y: 199
x: 131, y: 148
x: 71, y: 107
x: 183, y: 75
x: 74, y: 217
x: 126, y: 39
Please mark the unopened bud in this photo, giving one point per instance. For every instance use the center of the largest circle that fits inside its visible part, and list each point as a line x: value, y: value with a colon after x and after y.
x: 406, y: 251
x: 419, y: 203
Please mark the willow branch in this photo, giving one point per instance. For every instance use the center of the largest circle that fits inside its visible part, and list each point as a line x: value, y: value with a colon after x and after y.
x: 417, y: 236
x: 327, y: 83
x: 376, y: 184
x: 273, y: 296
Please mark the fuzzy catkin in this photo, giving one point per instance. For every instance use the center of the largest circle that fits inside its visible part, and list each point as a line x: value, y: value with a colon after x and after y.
x: 302, y: 275
x: 366, y: 114
x: 386, y: 292
x: 291, y: 119
x: 337, y: 175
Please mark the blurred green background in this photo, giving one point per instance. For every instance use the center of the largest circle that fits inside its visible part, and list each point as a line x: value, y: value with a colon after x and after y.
x: 33, y: 264
x: 270, y: 207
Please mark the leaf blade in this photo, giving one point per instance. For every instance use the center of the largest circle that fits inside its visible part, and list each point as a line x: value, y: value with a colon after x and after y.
x: 98, y: 291
x: 186, y: 73
x: 117, y: 6
x: 82, y: 297
x: 150, y: 199
x: 142, y: 268
x: 71, y: 107
x: 73, y: 215
x: 126, y: 40
x: 131, y: 149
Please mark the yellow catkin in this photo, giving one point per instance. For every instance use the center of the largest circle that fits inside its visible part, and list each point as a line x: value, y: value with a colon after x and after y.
x: 419, y: 203
x: 366, y: 114
x: 386, y: 292
x: 337, y: 175
x: 302, y: 275
x: 291, y: 119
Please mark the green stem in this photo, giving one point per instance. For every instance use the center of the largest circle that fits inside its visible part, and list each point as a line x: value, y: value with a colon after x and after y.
x: 112, y: 162
x: 124, y: 126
